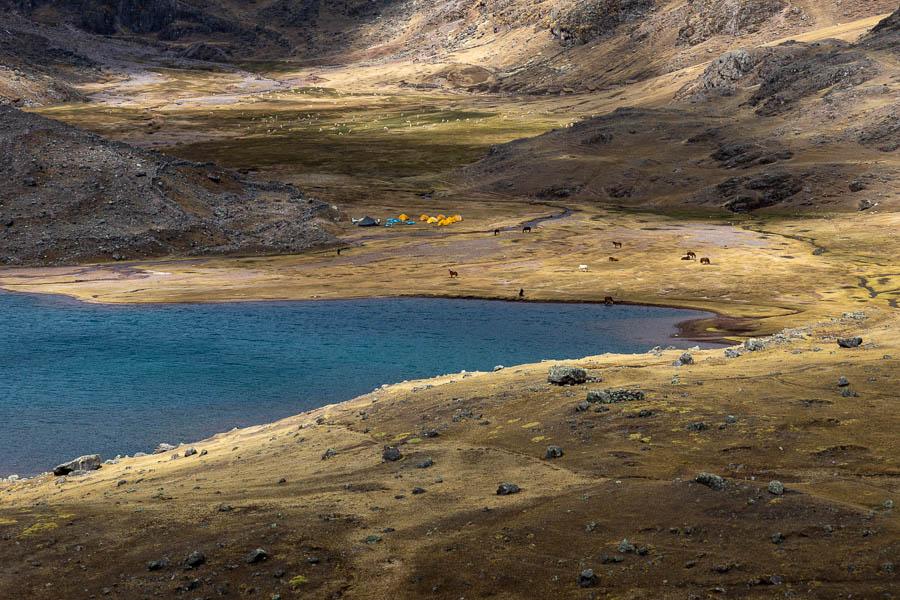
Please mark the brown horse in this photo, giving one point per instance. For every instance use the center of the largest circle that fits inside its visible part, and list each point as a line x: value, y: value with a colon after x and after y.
x: 617, y: 244
x: 690, y: 255
x: 521, y: 292
x: 608, y: 301
x: 453, y: 273
x: 526, y: 229
x: 613, y: 259
x: 496, y: 232
x: 705, y: 261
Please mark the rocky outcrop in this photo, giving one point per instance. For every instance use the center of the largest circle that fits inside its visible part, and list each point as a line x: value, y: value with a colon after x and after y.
x: 885, y: 35
x: 205, y: 52
x: 707, y: 18
x: 89, y: 462
x: 589, y: 19
x: 137, y: 16
x: 797, y: 71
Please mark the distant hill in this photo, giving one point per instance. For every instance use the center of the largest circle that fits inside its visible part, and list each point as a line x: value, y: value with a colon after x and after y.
x: 71, y: 197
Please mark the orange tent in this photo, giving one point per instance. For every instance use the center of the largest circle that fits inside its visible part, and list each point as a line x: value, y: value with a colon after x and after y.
x: 404, y: 217
x: 424, y: 217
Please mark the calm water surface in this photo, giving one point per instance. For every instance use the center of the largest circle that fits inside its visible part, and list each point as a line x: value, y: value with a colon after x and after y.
x: 78, y: 378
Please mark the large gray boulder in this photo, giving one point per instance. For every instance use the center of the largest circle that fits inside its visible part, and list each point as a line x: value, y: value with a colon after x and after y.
x: 88, y: 462
x: 560, y: 375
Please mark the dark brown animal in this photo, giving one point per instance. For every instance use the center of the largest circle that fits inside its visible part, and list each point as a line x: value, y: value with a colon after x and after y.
x: 686, y: 258
x: 453, y: 273
x: 617, y: 244
x: 705, y: 261
x: 690, y: 255
x: 608, y: 301
x: 526, y: 229
x: 613, y: 259
x: 521, y: 292
x: 496, y: 232
x: 339, y: 252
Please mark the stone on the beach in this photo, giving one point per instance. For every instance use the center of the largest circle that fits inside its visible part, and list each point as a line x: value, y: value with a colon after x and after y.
x: 256, y: 556
x: 190, y: 452
x: 849, y: 342
x: 553, y: 452
x: 609, y: 396
x: 713, y: 482
x: 498, y: 368
x: 587, y: 578
x: 560, y: 375
x: 163, y: 448
x: 732, y: 352
x: 506, y: 489
x: 776, y: 487
x: 88, y: 462
x: 391, y: 454
x: 686, y: 359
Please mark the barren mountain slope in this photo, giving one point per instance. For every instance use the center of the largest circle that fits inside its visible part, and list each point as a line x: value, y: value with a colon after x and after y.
x: 71, y: 197
x: 794, y: 126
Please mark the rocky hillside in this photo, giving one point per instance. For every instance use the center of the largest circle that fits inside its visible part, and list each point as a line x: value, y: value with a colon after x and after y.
x: 71, y: 197
x: 796, y: 126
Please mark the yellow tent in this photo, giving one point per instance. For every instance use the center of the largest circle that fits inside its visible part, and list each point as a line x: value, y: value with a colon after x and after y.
x: 424, y: 217
x: 432, y: 220
x: 404, y: 217
x: 441, y: 217
x: 458, y: 217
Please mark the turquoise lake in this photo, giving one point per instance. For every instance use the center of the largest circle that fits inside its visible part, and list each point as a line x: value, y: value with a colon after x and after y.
x: 78, y: 378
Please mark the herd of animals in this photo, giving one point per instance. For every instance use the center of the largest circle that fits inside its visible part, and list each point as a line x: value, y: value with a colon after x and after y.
x: 608, y: 300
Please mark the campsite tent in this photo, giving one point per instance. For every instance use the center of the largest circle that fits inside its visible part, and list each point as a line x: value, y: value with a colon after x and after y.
x: 424, y: 217
x: 432, y: 220
x: 403, y: 217
x: 367, y: 222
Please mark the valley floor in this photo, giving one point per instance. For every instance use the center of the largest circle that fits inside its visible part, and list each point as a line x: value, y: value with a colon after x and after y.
x: 336, y: 520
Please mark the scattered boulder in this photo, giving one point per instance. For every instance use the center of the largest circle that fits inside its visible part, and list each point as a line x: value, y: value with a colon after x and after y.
x: 194, y: 559
x: 255, y: 556
x: 587, y: 578
x: 849, y: 342
x: 610, y: 396
x: 391, y: 454
x: 329, y: 453
x: 697, y: 426
x: 156, y: 565
x: 843, y: 381
x: 776, y: 487
x: 754, y: 345
x: 732, y: 352
x: 560, y: 375
x: 625, y: 546
x: 506, y: 489
x: 426, y: 462
x: 190, y: 452
x: 88, y: 462
x: 685, y: 359
x: 713, y: 482
x: 163, y: 448
x: 553, y: 452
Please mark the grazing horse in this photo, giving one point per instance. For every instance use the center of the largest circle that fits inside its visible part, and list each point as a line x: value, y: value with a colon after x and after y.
x: 521, y: 292
x: 339, y: 252
x: 453, y: 273
x: 690, y: 255
x: 526, y: 229
x: 582, y: 268
x: 705, y: 261
x: 608, y: 301
x: 496, y: 232
x: 686, y: 258
x: 617, y: 244
x: 613, y: 259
